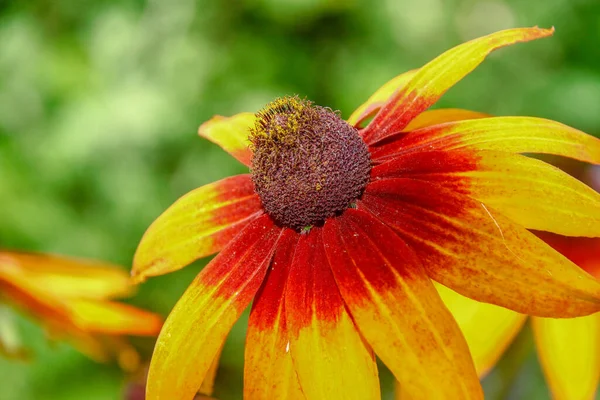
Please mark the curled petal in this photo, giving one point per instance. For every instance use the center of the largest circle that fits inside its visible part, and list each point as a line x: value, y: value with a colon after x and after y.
x: 568, y: 350
x: 488, y: 329
x: 510, y: 134
x: 443, y: 115
x: 199, y: 224
x: 331, y: 359
x: 379, y: 98
x: 398, y: 310
x: 509, y: 183
x: 196, y: 328
x: 439, y: 75
x: 584, y: 252
x: 67, y: 277
x: 479, y: 253
x: 268, y: 369
x: 231, y: 134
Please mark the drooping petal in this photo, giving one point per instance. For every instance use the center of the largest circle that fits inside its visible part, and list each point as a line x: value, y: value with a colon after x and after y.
x: 568, y: 350
x: 379, y: 98
x: 442, y: 115
x: 196, y: 328
x: 68, y: 277
x: 113, y: 318
x: 528, y: 191
x: 268, y: 369
x: 198, y: 224
x: 481, y: 254
x: 488, y: 329
x: 330, y: 357
x: 231, y: 134
x: 510, y: 134
x: 439, y: 75
x: 398, y: 310
x: 584, y: 252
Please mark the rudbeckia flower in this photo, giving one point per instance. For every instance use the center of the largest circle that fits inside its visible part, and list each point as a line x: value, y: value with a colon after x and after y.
x: 568, y: 349
x: 340, y: 228
x: 71, y: 298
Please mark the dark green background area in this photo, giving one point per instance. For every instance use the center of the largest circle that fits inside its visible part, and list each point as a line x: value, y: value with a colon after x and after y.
x: 100, y: 102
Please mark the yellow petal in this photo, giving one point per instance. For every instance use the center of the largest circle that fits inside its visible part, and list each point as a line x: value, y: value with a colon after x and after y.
x: 67, y: 277
x: 439, y: 75
x: 198, y: 224
x: 488, y: 329
x: 569, y: 352
x: 231, y: 133
x: 330, y: 357
x: 379, y: 98
x: 510, y: 134
x: 200, y: 321
x: 479, y: 253
x: 268, y: 369
x: 113, y: 318
x: 529, y: 191
x: 397, y: 309
x: 443, y: 115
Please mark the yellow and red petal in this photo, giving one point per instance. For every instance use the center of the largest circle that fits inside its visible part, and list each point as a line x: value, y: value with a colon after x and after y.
x: 208, y: 383
x: 379, y: 98
x: 481, y: 254
x: 568, y: 350
x: 231, y: 134
x: 113, y: 318
x: 398, y: 310
x: 488, y: 329
x: 330, y: 357
x: 198, y: 224
x: 67, y: 277
x: 584, y: 252
x: 439, y: 75
x: 510, y: 134
x: 442, y: 115
x: 268, y: 369
x: 200, y: 321
x: 528, y: 191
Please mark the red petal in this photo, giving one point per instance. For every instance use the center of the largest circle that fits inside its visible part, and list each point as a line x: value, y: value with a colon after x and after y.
x: 584, y: 252
x: 398, y: 310
x: 196, y: 328
x: 330, y: 357
x: 508, y: 183
x: 479, y: 253
x: 268, y: 369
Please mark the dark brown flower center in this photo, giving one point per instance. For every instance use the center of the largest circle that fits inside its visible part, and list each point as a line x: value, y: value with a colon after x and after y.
x: 308, y: 164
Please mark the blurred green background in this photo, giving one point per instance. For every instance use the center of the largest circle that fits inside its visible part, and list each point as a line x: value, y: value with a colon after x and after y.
x: 100, y: 102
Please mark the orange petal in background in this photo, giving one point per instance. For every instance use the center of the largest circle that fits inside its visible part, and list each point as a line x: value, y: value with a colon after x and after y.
x: 198, y: 224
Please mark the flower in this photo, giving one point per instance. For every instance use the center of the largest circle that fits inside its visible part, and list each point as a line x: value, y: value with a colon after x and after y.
x: 568, y: 348
x: 71, y: 299
x: 341, y: 227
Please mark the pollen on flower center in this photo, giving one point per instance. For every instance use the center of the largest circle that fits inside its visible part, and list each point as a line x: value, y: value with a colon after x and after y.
x: 308, y: 164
